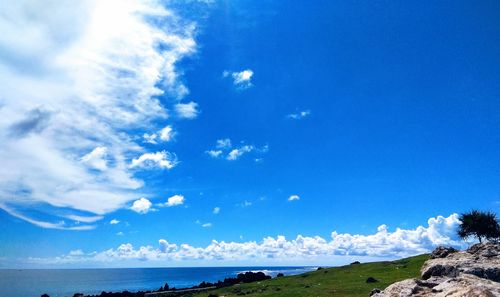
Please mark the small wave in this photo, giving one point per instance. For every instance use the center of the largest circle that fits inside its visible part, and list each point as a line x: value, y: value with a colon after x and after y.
x: 285, y: 271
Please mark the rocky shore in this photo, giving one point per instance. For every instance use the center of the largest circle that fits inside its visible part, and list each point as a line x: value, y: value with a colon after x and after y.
x: 165, y: 290
x: 452, y: 273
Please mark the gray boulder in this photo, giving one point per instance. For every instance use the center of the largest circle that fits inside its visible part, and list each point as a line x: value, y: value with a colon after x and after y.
x: 442, y: 252
x: 475, y: 272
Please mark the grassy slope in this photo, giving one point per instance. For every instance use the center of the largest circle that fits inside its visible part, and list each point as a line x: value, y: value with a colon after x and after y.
x: 339, y: 281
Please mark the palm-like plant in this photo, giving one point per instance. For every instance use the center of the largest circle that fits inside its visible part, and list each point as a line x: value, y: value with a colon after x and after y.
x: 483, y: 225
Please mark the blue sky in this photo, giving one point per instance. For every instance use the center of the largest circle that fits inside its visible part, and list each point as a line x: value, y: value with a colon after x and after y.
x: 267, y: 125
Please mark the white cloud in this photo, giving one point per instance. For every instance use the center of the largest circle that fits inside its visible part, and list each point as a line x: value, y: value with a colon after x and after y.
x: 214, y: 153
x: 203, y: 225
x: 150, y: 138
x: 162, y: 160
x: 381, y: 244
x: 60, y: 225
x: 167, y: 133
x: 225, y: 147
x: 293, y: 197
x: 223, y: 143
x: 173, y: 201
x: 216, y: 210
x: 246, y: 203
x: 187, y: 110
x: 235, y: 154
x: 95, y: 71
x: 264, y: 149
x: 299, y: 115
x: 440, y: 231
x: 84, y: 219
x: 96, y: 158
x: 166, y: 247
x: 208, y: 2
x: 142, y: 206
x: 114, y: 222
x: 242, y: 79
x: 76, y: 253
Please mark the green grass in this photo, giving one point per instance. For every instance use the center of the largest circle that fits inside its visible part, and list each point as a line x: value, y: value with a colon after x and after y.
x: 347, y: 280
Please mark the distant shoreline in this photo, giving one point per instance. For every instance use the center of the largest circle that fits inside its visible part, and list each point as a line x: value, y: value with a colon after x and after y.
x: 67, y: 281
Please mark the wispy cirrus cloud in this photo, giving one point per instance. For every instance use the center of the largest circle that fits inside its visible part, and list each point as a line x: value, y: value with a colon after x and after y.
x: 383, y: 243
x: 77, y: 86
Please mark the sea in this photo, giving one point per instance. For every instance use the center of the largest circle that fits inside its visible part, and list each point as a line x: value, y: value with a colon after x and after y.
x: 66, y: 282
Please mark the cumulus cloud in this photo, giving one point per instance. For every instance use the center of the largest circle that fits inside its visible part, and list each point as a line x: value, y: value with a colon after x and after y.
x: 293, y: 197
x: 225, y: 147
x: 214, y: 153
x: 141, y: 205
x: 206, y: 225
x: 162, y: 160
x: 439, y: 231
x: 76, y: 87
x: 241, y: 79
x: 236, y: 153
x: 187, y: 110
x: 216, y: 210
x: 220, y: 145
x: 173, y: 201
x: 299, y: 115
x: 382, y: 244
x: 114, y: 222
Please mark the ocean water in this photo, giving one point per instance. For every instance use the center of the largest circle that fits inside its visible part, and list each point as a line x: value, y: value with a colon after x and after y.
x: 66, y: 282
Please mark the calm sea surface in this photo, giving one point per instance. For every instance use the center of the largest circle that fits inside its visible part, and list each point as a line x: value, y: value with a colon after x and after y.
x: 66, y: 282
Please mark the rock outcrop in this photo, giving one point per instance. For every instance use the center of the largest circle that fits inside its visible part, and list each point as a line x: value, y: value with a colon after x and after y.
x: 475, y: 272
